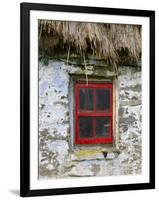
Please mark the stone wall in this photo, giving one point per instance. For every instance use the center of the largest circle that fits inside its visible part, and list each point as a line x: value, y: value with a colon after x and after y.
x: 58, y: 156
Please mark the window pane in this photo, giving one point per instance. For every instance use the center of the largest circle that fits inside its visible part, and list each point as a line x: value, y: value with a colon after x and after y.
x: 103, y: 100
x: 85, y: 127
x: 86, y: 99
x: 102, y: 126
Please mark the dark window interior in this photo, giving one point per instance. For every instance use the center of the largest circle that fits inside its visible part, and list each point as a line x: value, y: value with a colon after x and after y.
x: 94, y: 113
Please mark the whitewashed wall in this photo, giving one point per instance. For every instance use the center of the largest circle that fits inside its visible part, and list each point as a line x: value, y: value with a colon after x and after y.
x: 57, y: 156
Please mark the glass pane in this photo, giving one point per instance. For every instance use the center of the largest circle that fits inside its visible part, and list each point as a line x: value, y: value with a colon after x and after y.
x: 103, y: 100
x: 85, y: 127
x: 86, y: 99
x: 102, y: 126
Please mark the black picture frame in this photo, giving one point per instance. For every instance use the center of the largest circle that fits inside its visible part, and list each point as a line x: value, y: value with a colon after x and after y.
x: 25, y: 9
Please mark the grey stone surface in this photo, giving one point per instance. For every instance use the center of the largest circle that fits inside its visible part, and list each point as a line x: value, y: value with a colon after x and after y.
x: 57, y: 156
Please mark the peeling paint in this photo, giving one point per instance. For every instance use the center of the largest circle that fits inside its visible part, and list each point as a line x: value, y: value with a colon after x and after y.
x: 57, y: 156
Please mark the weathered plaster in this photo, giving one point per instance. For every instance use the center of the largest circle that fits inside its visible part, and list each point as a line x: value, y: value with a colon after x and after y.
x: 58, y: 156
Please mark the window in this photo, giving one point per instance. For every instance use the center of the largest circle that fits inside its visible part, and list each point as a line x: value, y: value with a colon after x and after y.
x: 93, y: 113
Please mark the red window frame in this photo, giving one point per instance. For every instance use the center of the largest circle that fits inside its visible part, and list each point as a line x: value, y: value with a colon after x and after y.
x: 94, y: 113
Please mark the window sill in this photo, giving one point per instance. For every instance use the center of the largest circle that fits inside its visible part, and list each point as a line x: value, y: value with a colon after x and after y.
x: 93, y: 154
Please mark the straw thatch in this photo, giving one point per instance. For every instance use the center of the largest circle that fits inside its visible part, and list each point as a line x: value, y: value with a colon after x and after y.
x: 101, y: 40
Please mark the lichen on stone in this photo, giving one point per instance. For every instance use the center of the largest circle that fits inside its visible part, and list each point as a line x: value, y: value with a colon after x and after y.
x: 58, y: 155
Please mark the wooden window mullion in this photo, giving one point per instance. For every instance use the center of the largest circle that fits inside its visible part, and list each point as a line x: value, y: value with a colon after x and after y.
x: 93, y: 113
x: 94, y: 109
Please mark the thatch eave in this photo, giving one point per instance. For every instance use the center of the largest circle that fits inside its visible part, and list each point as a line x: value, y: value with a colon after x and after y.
x: 101, y: 40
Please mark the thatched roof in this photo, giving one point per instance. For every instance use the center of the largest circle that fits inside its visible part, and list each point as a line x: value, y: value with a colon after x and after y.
x: 101, y: 40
